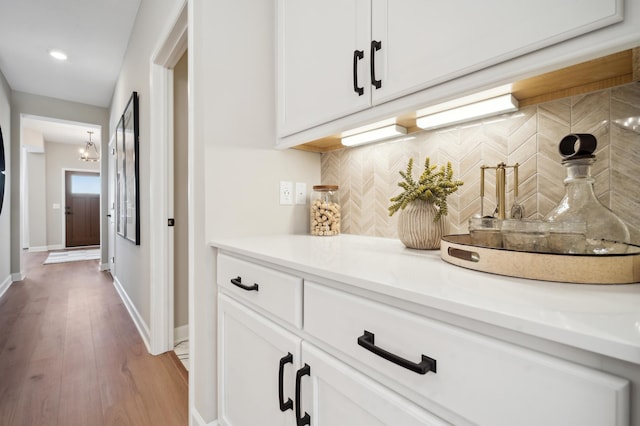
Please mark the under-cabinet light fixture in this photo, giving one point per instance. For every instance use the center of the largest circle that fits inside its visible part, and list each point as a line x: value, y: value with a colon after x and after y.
x: 477, y: 110
x: 374, y: 135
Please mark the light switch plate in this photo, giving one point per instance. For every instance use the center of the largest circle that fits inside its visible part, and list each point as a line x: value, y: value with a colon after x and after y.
x: 286, y: 193
x: 301, y: 193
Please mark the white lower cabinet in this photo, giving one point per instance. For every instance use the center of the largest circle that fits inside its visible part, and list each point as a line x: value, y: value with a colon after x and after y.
x: 251, y: 352
x: 255, y: 355
x: 334, y: 394
x: 356, y: 361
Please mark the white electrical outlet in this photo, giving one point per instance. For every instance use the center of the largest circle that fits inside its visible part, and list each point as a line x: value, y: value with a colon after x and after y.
x: 286, y: 193
x: 301, y: 193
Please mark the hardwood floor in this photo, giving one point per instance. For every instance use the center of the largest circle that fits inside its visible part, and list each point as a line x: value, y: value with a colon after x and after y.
x: 71, y: 355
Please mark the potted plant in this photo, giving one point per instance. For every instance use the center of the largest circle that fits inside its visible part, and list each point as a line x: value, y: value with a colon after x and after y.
x: 423, y: 205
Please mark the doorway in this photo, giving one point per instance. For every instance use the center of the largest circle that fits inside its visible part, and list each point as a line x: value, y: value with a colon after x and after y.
x: 49, y: 148
x: 180, y: 209
x: 82, y: 209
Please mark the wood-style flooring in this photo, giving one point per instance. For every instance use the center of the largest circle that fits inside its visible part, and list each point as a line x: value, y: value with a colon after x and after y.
x: 71, y: 355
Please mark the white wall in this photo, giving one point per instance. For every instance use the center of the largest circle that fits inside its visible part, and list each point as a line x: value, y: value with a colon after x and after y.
x: 234, y: 170
x: 28, y: 104
x: 32, y: 140
x: 34, y: 207
x: 37, y: 201
x: 5, y: 222
x: 232, y: 159
x: 132, y: 261
x: 239, y: 127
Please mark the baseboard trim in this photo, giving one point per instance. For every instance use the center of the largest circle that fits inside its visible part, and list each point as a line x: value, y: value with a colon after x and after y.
x: 197, y: 419
x: 104, y: 267
x: 180, y: 333
x: 38, y: 249
x: 55, y: 247
x: 143, y: 330
x: 5, y: 285
x: 18, y: 276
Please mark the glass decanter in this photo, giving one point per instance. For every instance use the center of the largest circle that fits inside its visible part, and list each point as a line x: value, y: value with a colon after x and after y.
x: 605, y: 231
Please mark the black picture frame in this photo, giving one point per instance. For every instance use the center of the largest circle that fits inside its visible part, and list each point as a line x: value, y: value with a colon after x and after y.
x: 128, y: 172
x: 2, y: 170
x: 2, y: 183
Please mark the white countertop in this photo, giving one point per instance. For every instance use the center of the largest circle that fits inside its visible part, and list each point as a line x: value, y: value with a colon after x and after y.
x: 600, y: 318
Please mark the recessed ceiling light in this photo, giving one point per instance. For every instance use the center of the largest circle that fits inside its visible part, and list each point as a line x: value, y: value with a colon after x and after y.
x: 59, y: 55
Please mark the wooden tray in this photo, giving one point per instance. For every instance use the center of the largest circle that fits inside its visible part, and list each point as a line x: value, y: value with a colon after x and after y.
x: 569, y: 268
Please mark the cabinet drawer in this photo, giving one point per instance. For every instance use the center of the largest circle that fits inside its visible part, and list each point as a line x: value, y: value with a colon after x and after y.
x: 276, y: 292
x: 484, y: 380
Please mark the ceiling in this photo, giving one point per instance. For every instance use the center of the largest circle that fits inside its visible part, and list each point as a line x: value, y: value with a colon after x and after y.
x: 62, y: 131
x: 93, y: 33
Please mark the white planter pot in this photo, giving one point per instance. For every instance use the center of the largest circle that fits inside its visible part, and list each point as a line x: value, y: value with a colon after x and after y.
x: 416, y: 228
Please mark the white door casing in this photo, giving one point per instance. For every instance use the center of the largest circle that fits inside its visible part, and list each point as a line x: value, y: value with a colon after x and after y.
x: 169, y: 50
x: 112, y: 210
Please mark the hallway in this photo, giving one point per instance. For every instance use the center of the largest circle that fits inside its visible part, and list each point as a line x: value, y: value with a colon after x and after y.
x: 71, y: 355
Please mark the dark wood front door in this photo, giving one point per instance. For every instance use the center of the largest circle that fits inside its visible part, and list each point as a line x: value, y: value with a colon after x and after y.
x: 82, y: 208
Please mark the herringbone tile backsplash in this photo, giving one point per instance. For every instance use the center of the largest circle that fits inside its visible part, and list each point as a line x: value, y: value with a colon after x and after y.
x: 368, y: 175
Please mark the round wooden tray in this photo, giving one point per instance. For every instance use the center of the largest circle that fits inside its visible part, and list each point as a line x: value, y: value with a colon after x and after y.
x: 569, y: 268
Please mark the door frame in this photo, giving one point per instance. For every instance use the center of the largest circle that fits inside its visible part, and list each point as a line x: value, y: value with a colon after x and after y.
x: 168, y: 52
x: 111, y: 200
x: 63, y: 203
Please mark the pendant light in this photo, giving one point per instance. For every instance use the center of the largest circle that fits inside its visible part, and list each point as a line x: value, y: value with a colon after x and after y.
x: 90, y: 152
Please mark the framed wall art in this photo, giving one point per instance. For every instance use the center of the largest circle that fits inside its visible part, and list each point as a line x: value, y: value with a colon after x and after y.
x: 119, y: 170
x: 2, y: 170
x: 127, y: 173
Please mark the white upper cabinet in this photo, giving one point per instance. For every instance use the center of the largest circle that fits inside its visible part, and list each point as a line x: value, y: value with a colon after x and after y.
x: 426, y: 42
x: 340, y: 57
x: 318, y: 46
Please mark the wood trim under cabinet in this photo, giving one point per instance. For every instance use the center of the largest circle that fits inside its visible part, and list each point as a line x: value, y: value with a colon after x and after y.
x: 597, y: 74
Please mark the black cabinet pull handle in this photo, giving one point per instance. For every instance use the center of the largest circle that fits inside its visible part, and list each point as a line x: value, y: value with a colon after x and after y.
x: 288, y: 405
x: 423, y: 367
x: 238, y: 283
x: 306, y: 419
x: 375, y: 46
x: 357, y: 55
